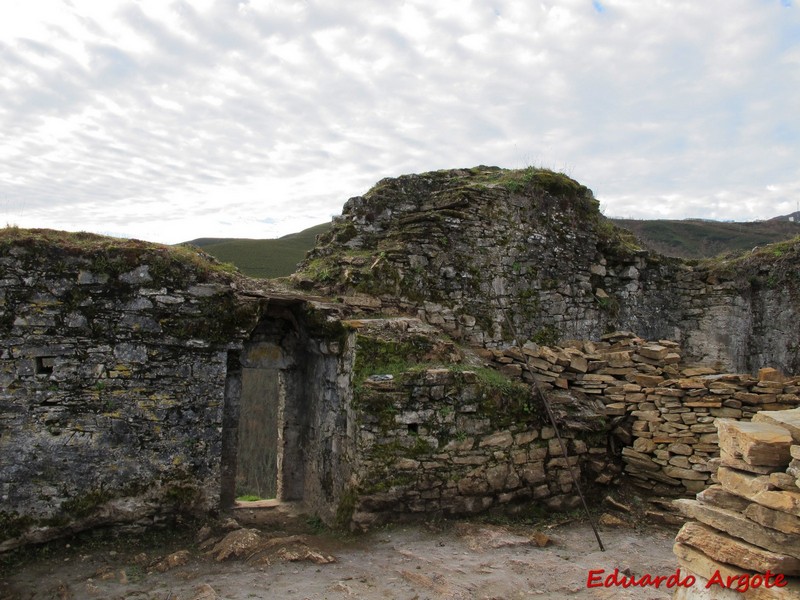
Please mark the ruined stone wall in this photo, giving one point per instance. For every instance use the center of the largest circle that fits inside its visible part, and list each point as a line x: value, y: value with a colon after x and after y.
x: 121, y: 366
x: 120, y: 378
x: 449, y: 443
x: 112, y: 367
x: 661, y: 411
x: 473, y: 250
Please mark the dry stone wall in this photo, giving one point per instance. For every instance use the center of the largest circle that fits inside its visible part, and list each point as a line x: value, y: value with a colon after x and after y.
x: 122, y: 363
x: 112, y: 388
x: 444, y: 442
x: 662, y: 411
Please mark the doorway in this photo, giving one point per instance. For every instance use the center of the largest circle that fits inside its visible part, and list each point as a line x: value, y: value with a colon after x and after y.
x: 287, y: 431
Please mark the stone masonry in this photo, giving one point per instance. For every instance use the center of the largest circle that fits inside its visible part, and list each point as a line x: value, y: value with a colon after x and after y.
x: 476, y: 251
x: 119, y: 388
x: 662, y: 410
x: 123, y: 364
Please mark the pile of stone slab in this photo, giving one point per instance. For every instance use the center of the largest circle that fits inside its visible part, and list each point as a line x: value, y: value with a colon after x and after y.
x: 744, y: 541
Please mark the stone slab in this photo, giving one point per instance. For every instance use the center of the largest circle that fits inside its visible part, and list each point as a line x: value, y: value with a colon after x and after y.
x: 733, y: 551
x: 774, y: 519
x: 705, y: 568
x: 727, y: 460
x: 716, y: 495
x: 759, y: 489
x: 737, y: 525
x: 788, y: 419
x: 759, y: 443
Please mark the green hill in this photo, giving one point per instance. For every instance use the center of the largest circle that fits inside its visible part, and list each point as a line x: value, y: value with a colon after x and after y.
x: 263, y: 258
x: 696, y: 238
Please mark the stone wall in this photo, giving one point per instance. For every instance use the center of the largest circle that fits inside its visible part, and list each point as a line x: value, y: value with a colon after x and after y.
x: 439, y: 442
x: 662, y: 410
x: 462, y: 249
x: 120, y: 368
x: 123, y: 368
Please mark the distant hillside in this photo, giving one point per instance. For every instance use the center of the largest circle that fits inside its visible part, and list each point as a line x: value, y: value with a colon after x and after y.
x: 696, y: 238
x: 263, y: 258
x: 691, y: 238
x: 794, y: 217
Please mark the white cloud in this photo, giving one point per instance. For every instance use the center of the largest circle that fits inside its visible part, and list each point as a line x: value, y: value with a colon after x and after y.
x: 186, y: 119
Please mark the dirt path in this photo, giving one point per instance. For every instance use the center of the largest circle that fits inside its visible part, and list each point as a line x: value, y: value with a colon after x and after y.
x: 455, y: 561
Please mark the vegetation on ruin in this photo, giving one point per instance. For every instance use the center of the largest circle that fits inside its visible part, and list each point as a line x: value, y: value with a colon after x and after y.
x: 768, y: 266
x: 533, y: 179
x: 111, y: 256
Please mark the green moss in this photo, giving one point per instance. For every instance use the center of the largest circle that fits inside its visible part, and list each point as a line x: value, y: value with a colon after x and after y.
x: 81, y: 506
x: 387, y: 481
x: 508, y: 405
x: 608, y: 304
x: 377, y: 356
x: 534, y: 179
x: 218, y: 318
x: 13, y: 525
x: 115, y: 256
x: 182, y: 495
x: 346, y: 508
x: 378, y: 405
x: 320, y: 327
x: 546, y: 336
x: 614, y: 241
x: 767, y: 266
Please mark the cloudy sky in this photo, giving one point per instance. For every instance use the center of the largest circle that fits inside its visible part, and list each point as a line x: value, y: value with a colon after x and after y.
x: 169, y: 121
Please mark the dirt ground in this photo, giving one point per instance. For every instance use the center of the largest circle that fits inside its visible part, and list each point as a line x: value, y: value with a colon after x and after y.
x: 450, y: 560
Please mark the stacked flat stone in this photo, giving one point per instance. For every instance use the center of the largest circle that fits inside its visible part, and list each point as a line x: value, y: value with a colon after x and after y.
x: 670, y: 407
x: 750, y: 522
x: 428, y: 445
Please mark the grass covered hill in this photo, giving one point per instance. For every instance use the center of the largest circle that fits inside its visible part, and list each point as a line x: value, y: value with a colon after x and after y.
x: 263, y: 258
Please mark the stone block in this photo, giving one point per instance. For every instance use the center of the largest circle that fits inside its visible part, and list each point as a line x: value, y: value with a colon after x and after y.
x: 755, y: 443
x: 691, y: 383
x: 501, y: 439
x: 654, y: 351
x: 726, y: 460
x: 774, y: 519
x: 645, y: 380
x: 533, y: 473
x: 783, y: 481
x: 770, y: 374
x: 737, y: 525
x: 733, y: 551
x: 705, y: 568
x: 679, y: 473
x: 684, y: 449
x: 758, y: 489
x: 716, y: 495
x: 788, y: 419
